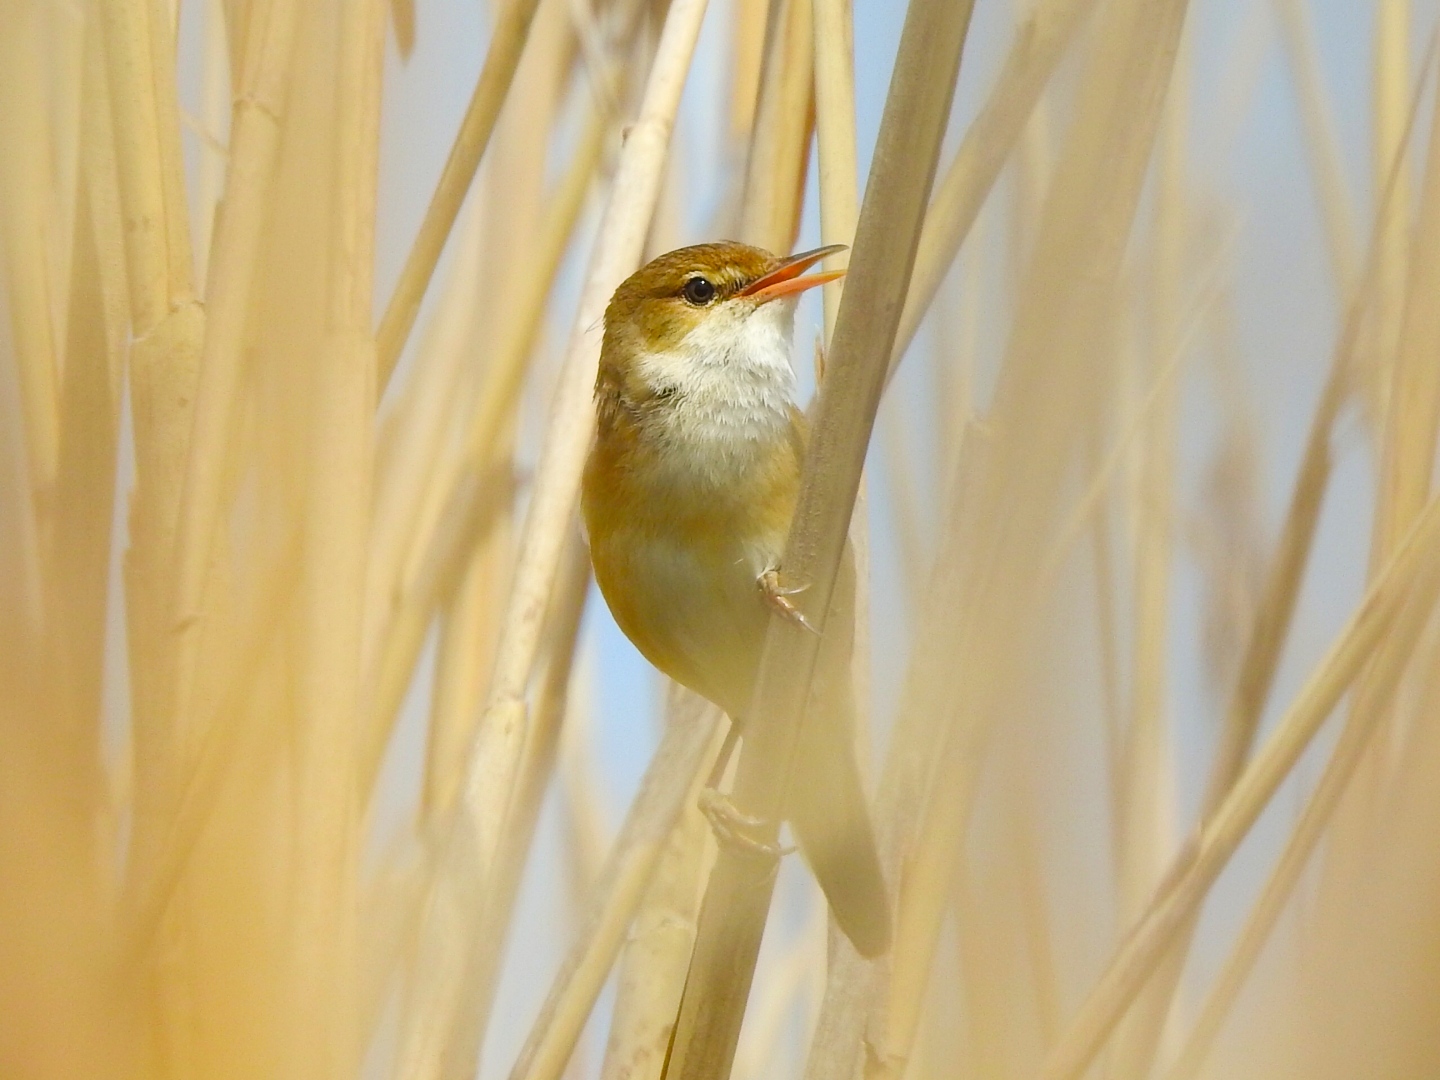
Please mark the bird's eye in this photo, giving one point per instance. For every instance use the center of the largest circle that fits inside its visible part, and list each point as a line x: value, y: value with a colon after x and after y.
x: 698, y: 291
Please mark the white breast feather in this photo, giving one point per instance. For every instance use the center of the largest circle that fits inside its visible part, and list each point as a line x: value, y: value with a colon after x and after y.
x: 734, y: 387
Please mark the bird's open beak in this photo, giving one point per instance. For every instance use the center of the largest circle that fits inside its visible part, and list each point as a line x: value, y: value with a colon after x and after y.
x: 785, y: 279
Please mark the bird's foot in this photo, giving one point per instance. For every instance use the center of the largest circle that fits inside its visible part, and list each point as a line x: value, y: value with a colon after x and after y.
x: 736, y: 830
x: 778, y: 597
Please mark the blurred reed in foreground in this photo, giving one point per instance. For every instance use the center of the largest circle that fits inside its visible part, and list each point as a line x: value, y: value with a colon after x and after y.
x: 337, y: 532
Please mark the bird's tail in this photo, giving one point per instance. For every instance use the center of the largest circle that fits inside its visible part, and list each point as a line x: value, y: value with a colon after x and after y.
x: 831, y: 821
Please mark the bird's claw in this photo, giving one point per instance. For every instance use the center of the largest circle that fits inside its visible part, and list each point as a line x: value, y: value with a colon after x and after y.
x: 734, y: 830
x: 778, y: 597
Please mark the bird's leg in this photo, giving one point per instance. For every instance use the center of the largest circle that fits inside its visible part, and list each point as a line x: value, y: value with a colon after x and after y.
x: 732, y: 828
x: 722, y: 759
x: 778, y: 597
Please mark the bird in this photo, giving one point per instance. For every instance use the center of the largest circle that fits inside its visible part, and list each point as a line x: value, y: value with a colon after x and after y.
x: 686, y: 498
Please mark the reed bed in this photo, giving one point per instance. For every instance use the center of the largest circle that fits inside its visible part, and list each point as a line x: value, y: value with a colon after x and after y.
x: 318, y: 756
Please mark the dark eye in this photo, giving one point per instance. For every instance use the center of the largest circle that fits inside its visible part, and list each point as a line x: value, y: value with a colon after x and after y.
x: 698, y: 291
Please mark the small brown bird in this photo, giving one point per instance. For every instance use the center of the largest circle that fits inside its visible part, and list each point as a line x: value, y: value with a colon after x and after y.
x: 687, y: 498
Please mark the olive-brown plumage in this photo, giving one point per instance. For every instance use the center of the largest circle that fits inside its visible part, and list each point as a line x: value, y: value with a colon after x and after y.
x: 688, y: 494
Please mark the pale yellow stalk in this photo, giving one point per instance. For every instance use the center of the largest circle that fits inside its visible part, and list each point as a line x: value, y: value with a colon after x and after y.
x: 1050, y: 384
x: 779, y: 141
x: 1040, y: 42
x: 425, y: 542
x: 835, y: 135
x: 1391, y: 80
x: 737, y: 899
x: 494, y: 769
x: 326, y: 903
x: 1408, y: 441
x: 434, y: 542
x: 588, y: 828
x: 780, y: 994
x: 167, y: 325
x: 1337, y: 207
x: 834, y: 95
x: 63, y: 44
x: 671, y: 786
x: 466, y: 904
x: 25, y: 219
x: 747, y: 54
x: 1389, y: 666
x: 215, y: 101
x: 507, y: 41
x: 1208, y: 851
x: 234, y: 265
x: 1147, y: 825
x: 1271, y: 626
x: 81, y: 503
x: 651, y: 971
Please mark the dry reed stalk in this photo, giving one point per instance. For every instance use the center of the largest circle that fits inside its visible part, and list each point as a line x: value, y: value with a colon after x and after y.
x: 900, y: 463
x: 1040, y: 42
x: 835, y: 1050
x: 1391, y: 74
x: 96, y: 333
x: 852, y: 981
x: 234, y: 744
x: 215, y: 102
x: 747, y: 54
x: 412, y: 432
x: 234, y: 265
x: 1003, y: 954
x: 1337, y: 207
x: 167, y: 326
x: 507, y: 42
x: 654, y: 822
x: 780, y: 994
x: 464, y: 653
x: 1162, y: 387
x: 1267, y: 636
x: 779, y: 140
x: 834, y: 106
x: 835, y: 136
x: 428, y: 537
x: 737, y: 899
x: 1387, y: 954
x: 1408, y: 440
x: 1146, y: 825
x: 62, y: 43
x: 1271, y: 627
x: 27, y: 259
x: 1413, y: 416
x: 1367, y: 714
x: 65, y: 1011
x: 1039, y: 413
x: 402, y: 17
x: 1206, y: 854
x: 451, y: 990
x: 651, y: 971
x: 494, y: 767
x: 587, y: 827
x: 336, y: 527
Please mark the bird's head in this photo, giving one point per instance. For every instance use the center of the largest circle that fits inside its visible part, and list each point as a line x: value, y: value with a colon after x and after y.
x: 712, y: 311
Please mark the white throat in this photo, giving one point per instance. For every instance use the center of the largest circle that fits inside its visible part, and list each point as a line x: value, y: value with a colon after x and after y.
x: 733, y: 384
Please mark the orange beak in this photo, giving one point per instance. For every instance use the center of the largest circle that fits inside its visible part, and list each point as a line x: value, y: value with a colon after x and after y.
x: 785, y: 279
